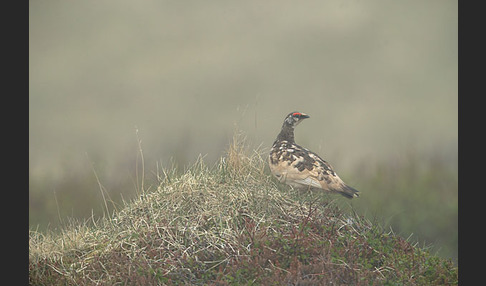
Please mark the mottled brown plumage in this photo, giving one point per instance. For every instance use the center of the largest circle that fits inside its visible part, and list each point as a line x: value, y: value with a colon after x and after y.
x: 300, y: 168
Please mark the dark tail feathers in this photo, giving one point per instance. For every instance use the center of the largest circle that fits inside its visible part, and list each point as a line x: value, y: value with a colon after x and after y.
x: 348, y: 192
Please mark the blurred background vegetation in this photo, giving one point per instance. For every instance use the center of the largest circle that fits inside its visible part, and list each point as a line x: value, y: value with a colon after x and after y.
x: 378, y: 78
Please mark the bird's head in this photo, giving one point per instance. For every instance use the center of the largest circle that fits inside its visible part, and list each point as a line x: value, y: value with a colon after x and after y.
x: 294, y: 118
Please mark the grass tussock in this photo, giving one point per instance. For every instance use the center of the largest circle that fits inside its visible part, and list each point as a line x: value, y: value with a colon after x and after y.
x: 230, y: 224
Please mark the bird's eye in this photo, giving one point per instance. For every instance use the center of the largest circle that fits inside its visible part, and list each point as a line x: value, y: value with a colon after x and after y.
x: 296, y: 114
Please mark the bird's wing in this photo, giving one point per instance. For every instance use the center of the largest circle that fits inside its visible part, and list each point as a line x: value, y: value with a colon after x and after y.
x: 324, y: 173
x: 299, y: 167
x: 301, y: 178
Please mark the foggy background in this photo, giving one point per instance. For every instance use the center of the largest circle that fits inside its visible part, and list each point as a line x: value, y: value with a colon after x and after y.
x: 378, y: 78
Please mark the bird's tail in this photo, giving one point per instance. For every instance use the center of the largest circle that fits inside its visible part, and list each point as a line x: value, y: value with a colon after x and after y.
x: 348, y: 192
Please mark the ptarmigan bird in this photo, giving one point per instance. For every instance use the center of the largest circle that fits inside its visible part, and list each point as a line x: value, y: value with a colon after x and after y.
x: 300, y: 168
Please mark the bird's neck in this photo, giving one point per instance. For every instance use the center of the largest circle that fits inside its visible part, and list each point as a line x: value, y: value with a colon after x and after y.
x: 287, y: 134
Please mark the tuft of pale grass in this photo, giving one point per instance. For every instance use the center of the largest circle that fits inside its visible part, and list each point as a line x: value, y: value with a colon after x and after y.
x: 200, y: 211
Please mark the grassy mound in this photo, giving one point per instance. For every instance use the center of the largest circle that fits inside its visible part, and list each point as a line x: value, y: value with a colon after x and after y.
x: 231, y: 224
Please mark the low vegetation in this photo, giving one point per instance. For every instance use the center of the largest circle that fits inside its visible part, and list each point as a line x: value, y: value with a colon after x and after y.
x: 231, y: 224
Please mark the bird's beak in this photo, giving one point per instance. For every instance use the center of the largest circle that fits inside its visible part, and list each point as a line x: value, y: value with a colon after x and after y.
x: 303, y: 115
